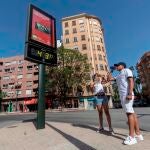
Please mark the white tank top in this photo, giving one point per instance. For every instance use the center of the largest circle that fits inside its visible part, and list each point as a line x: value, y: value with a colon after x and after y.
x: 98, y: 88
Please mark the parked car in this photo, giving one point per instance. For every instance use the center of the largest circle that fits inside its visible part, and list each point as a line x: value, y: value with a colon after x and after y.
x: 117, y: 104
x: 139, y: 103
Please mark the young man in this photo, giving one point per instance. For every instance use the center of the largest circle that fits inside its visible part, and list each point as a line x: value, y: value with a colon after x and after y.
x: 125, y: 85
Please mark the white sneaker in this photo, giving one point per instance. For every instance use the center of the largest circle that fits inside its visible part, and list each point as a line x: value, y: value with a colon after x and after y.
x: 100, y: 130
x: 139, y: 137
x: 130, y: 140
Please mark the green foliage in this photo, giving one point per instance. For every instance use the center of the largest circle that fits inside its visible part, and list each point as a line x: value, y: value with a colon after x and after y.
x: 2, y: 94
x: 72, y: 71
x: 115, y: 92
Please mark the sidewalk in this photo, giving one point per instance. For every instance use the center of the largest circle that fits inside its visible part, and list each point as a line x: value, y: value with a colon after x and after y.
x: 64, y: 136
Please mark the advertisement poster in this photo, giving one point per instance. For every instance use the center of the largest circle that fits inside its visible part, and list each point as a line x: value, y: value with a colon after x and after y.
x: 42, y: 29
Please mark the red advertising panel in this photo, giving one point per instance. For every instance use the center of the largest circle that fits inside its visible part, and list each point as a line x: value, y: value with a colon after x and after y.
x: 40, y: 44
x: 42, y: 28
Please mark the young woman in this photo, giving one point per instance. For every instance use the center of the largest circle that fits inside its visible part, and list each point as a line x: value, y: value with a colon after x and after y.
x: 101, y: 101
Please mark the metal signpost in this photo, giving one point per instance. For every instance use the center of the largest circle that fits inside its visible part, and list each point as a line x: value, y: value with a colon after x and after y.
x: 40, y: 47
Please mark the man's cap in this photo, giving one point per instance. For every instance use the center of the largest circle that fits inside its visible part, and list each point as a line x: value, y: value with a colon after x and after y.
x: 120, y: 63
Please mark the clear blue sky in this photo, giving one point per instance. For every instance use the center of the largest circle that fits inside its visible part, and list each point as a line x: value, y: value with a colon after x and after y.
x: 126, y: 24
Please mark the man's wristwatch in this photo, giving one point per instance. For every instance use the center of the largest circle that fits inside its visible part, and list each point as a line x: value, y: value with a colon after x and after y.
x: 130, y: 94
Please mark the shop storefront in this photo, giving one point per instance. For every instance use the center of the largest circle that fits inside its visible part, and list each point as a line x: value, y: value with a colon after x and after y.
x: 87, y: 103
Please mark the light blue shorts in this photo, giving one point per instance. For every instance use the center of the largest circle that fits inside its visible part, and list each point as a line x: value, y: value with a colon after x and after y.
x: 101, y: 100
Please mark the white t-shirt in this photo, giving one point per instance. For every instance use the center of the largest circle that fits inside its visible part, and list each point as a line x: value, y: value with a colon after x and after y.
x: 122, y: 81
x: 98, y: 88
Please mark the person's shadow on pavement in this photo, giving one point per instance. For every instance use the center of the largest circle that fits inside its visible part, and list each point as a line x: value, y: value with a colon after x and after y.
x: 105, y: 132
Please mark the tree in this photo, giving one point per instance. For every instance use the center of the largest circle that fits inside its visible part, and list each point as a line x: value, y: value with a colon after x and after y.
x: 137, y: 82
x: 115, y: 92
x: 72, y: 72
x: 2, y: 95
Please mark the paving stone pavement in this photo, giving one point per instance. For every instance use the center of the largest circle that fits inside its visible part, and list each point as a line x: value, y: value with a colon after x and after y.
x: 65, y: 136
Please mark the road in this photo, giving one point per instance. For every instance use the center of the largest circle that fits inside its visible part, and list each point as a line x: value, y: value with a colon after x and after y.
x: 81, y: 118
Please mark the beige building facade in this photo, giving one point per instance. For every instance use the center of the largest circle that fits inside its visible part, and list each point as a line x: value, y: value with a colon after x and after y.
x: 143, y: 67
x: 85, y: 33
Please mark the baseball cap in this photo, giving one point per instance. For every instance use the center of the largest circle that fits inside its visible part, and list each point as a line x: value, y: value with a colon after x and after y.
x: 120, y: 63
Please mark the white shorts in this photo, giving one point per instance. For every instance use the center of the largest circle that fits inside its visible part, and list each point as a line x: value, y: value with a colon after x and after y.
x: 127, y: 105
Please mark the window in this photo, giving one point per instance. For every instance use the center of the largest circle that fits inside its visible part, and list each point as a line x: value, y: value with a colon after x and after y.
x: 18, y: 92
x: 83, y: 37
x: 20, y: 76
x: 95, y: 30
x: 101, y: 67
x: 96, y: 66
x: 13, y: 69
x: 6, y: 77
x: 102, y: 48
x: 29, y: 75
x: 20, y: 62
x: 75, y: 39
x: 29, y: 67
x: 11, y: 85
x: 28, y: 92
x: 81, y: 21
x: 7, y: 70
x: 109, y: 89
x: 67, y: 40
x: 105, y: 89
x: 73, y: 23
x: 84, y: 46
x: 6, y: 63
x: 29, y: 83
x: 76, y: 47
x: 66, y: 24
x: 97, y: 39
x: 98, y: 47
x: 74, y: 30
x: 100, y: 57
x: 10, y: 93
x: 82, y: 29
x: 5, y: 86
x: 13, y: 62
x: 20, y: 68
x: 101, y: 40
x: 95, y: 23
x: 106, y: 68
x: 66, y: 32
x: 95, y: 57
x: 104, y: 58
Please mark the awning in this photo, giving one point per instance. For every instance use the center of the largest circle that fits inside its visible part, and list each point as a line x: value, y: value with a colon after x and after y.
x: 30, y: 102
x: 86, y: 98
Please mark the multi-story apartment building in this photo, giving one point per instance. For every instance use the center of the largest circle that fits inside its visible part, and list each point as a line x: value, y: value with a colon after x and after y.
x: 143, y: 67
x: 19, y: 82
x: 85, y: 33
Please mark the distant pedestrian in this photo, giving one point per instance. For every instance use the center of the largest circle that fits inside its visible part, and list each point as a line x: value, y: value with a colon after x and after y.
x: 101, y: 102
x: 125, y: 85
